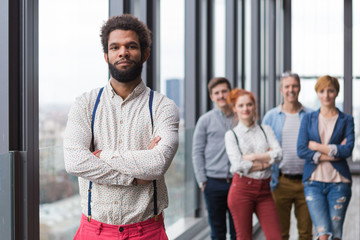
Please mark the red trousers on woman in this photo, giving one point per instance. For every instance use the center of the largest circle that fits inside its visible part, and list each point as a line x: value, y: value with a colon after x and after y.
x: 248, y: 196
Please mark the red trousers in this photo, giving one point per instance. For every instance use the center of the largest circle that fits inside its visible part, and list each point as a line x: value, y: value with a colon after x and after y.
x: 146, y: 230
x: 248, y: 196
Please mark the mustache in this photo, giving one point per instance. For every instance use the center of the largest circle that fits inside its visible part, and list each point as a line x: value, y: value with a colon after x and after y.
x: 124, y: 59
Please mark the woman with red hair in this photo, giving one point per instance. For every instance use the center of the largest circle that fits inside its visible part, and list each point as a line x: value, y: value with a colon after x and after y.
x: 251, y: 149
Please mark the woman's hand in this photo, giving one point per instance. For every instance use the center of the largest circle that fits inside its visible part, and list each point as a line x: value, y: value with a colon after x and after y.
x: 313, y: 146
x: 250, y: 157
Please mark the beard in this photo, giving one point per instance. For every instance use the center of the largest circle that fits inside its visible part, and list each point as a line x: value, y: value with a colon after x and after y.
x: 125, y: 76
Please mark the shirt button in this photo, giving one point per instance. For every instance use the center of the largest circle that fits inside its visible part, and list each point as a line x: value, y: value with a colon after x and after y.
x: 121, y: 229
x: 121, y: 122
x: 116, y: 202
x: 120, y: 142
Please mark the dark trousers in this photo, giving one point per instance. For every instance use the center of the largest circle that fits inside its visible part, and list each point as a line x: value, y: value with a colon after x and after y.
x: 216, y: 192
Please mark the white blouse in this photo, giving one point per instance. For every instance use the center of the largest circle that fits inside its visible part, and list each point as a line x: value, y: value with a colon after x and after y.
x: 251, y: 140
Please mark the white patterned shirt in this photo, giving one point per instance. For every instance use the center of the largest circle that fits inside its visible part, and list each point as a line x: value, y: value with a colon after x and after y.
x: 251, y: 140
x: 123, y: 131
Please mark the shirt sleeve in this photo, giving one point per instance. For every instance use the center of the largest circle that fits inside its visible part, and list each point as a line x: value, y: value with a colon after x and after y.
x: 79, y: 160
x: 151, y: 164
x: 198, y: 151
x: 238, y: 164
x: 345, y: 151
x: 276, y: 151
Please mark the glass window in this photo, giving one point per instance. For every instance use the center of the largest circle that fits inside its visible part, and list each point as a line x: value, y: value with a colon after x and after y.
x: 172, y: 28
x: 356, y: 77
x: 70, y: 63
x: 317, y: 45
x: 219, y: 34
x: 318, y: 37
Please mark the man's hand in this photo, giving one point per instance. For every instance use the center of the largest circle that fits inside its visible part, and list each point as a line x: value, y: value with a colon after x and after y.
x: 97, y: 153
x: 203, y: 186
x: 154, y: 142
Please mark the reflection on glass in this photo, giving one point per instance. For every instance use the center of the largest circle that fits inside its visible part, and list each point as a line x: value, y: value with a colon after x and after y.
x: 70, y: 63
x: 172, y: 23
x: 219, y: 38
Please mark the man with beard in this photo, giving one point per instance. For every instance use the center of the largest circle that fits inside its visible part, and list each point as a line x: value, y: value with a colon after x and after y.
x: 286, y: 179
x: 211, y: 163
x: 120, y: 141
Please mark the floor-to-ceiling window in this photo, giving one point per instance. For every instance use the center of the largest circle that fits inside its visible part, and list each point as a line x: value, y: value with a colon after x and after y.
x: 172, y: 54
x: 317, y: 45
x: 218, y: 20
x: 70, y: 62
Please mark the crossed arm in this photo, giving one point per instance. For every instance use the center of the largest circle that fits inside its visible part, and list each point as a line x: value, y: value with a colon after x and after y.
x: 324, y: 150
x: 119, y: 167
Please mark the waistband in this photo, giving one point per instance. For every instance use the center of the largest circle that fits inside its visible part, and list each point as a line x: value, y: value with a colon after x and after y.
x: 228, y: 180
x: 292, y: 176
x: 253, y: 180
x: 134, y: 227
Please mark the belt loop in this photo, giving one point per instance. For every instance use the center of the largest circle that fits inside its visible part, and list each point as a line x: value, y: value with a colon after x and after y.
x: 139, y: 227
x: 99, y: 228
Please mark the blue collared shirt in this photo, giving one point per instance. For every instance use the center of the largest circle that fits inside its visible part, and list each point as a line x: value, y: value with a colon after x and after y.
x: 275, y: 118
x: 209, y: 153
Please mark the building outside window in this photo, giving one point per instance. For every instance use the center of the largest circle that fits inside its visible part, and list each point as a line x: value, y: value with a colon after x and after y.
x: 70, y: 62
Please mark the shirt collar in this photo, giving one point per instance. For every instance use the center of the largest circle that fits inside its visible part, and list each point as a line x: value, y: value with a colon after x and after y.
x: 280, y: 109
x: 243, y: 128
x: 136, y: 92
x: 221, y: 113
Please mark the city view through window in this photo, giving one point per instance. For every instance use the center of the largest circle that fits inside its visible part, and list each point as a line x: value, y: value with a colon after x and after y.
x: 71, y: 62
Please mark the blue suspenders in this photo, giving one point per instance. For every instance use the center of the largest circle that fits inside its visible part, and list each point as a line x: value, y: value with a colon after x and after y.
x: 92, y: 148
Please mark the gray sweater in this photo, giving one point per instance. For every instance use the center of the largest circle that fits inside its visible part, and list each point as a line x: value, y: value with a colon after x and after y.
x: 209, y: 153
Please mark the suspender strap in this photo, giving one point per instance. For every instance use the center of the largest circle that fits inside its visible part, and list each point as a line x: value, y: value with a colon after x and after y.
x: 264, y: 134
x: 154, y: 182
x: 92, y: 148
x: 237, y: 141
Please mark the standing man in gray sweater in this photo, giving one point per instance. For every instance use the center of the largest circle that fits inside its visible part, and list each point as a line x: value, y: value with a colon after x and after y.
x: 211, y: 163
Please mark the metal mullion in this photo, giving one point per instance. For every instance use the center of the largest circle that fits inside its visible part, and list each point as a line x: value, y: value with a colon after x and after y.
x: 287, y: 35
x: 348, y: 57
x: 255, y: 49
x: 231, y: 51
x: 202, y: 58
x: 153, y: 63
x: 118, y: 7
x: 272, y: 56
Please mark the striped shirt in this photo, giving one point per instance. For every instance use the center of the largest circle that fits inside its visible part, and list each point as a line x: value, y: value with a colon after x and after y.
x: 123, y: 132
x: 291, y: 163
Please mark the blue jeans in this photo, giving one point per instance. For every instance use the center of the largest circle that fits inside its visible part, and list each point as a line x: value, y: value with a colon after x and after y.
x: 216, y: 192
x: 327, y: 204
